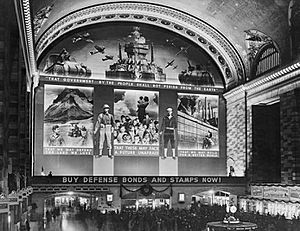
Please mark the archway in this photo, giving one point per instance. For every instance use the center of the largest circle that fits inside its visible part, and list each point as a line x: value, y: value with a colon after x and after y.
x: 67, y: 202
x: 195, y: 30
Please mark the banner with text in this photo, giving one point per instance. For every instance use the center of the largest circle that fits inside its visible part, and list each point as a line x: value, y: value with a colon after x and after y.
x: 94, y: 180
x: 136, y: 84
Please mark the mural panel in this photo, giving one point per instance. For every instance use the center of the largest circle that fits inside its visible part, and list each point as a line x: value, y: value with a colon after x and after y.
x: 198, y: 125
x: 136, y: 123
x: 68, y: 120
x: 134, y: 53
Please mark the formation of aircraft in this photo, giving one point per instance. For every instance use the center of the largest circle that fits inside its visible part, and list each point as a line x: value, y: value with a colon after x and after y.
x: 101, y: 50
x: 85, y: 36
x: 182, y: 49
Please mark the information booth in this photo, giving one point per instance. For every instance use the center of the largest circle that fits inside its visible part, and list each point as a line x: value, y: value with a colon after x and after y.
x: 223, y: 226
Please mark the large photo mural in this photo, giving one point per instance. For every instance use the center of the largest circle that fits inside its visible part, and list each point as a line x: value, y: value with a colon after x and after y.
x: 136, y: 122
x: 198, y: 125
x: 132, y: 52
x: 68, y: 120
x: 121, y: 130
x: 128, y: 99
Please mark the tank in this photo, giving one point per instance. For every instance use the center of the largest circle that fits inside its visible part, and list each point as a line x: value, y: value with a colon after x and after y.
x: 62, y: 64
x: 196, y: 76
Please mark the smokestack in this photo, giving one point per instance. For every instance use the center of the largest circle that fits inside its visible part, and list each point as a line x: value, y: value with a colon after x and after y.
x: 120, y: 52
x: 205, y: 109
x: 152, y: 54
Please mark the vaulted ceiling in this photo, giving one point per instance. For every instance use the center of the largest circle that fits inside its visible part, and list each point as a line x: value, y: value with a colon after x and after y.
x: 231, y: 17
x: 228, y: 19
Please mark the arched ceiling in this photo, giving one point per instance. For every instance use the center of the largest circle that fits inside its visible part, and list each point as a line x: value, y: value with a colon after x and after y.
x: 105, y: 46
x: 227, y: 18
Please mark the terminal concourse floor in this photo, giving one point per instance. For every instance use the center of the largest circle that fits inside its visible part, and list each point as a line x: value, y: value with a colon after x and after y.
x: 69, y: 222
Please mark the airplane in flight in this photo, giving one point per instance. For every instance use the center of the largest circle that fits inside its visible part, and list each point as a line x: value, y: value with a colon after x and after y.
x: 99, y: 49
x: 171, y: 42
x: 182, y: 49
x: 170, y: 63
x: 85, y: 36
x: 108, y: 57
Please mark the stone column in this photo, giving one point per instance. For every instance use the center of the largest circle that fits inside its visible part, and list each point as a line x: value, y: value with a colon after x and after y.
x: 236, y: 131
x: 290, y: 136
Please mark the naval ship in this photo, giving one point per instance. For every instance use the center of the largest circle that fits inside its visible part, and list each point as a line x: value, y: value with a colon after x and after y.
x: 136, y: 66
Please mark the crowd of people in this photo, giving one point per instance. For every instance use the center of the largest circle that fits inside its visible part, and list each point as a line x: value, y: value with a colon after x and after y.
x: 136, y: 131
x: 52, y: 214
x: 192, y: 219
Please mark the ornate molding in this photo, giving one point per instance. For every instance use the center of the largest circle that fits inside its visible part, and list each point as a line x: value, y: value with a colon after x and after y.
x: 266, y: 82
x: 235, y: 94
x: 194, y: 29
x: 269, y: 81
x: 25, y: 28
x: 64, y: 188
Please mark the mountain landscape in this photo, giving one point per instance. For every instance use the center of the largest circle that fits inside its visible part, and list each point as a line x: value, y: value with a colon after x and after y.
x: 70, y: 104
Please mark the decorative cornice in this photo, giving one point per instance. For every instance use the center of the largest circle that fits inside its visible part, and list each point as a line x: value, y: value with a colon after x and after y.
x: 269, y: 81
x: 22, y: 8
x: 44, y: 188
x: 194, y: 29
x: 265, y: 82
x: 235, y: 94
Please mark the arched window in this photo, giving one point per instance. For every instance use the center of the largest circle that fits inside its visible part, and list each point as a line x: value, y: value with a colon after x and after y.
x: 266, y: 60
x: 294, y: 24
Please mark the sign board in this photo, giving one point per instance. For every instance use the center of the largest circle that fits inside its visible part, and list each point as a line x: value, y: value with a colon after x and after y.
x: 104, y: 180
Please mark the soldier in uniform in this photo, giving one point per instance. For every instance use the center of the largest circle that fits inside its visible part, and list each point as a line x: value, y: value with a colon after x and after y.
x: 105, y: 125
x: 168, y: 131
x: 55, y: 138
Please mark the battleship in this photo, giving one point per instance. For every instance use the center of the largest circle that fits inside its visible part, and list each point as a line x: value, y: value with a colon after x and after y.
x: 136, y: 66
x: 196, y: 76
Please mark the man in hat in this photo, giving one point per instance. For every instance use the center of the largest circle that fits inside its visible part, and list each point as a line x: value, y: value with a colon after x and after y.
x: 168, y: 131
x: 105, y: 124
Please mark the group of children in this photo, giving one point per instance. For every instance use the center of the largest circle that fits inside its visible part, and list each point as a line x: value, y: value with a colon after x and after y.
x: 134, y: 131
